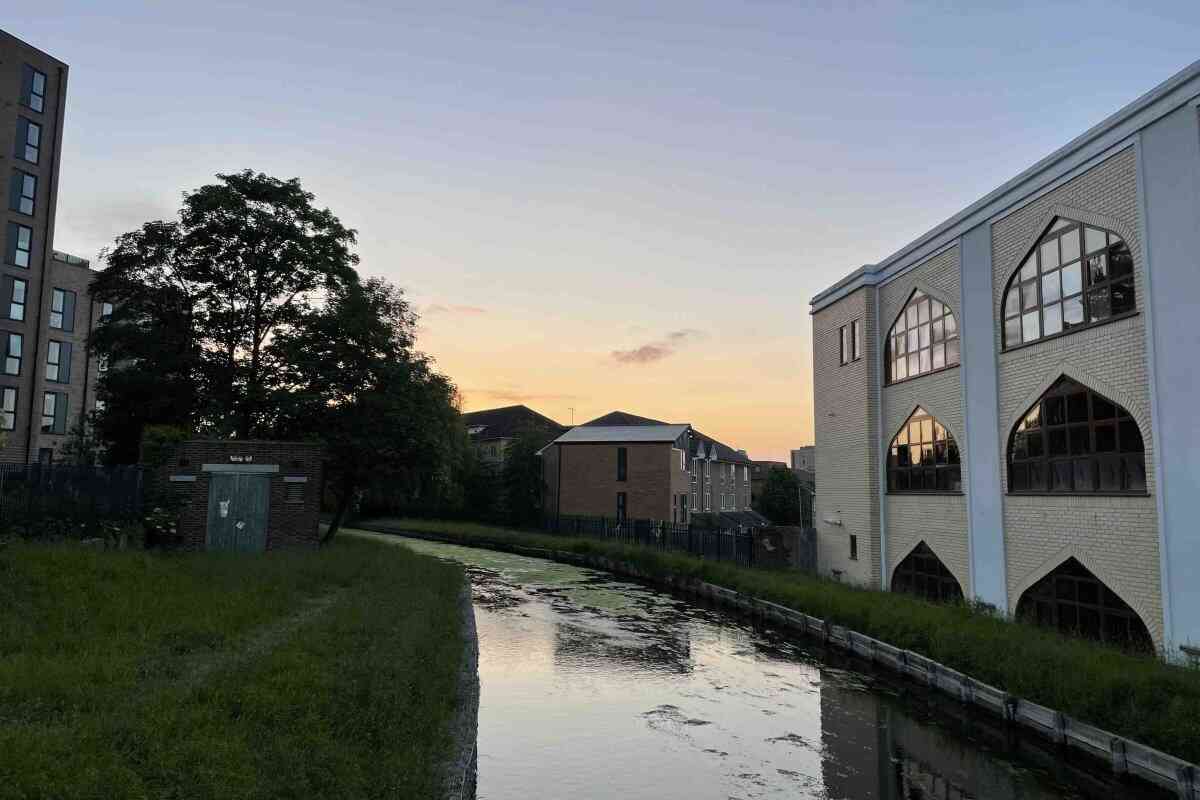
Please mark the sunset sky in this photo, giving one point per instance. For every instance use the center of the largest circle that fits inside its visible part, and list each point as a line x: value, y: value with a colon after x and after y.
x: 598, y: 206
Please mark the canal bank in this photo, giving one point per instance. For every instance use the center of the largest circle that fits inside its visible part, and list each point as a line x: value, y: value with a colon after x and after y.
x: 593, y: 686
x: 461, y: 766
x: 1139, y: 695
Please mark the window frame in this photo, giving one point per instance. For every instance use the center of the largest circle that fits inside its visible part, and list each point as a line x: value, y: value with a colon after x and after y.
x: 622, y: 464
x: 56, y: 293
x: 12, y: 250
x: 950, y: 447
x: 850, y: 347
x: 29, y: 82
x: 21, y: 148
x: 890, y: 356
x: 54, y: 415
x: 22, y: 197
x: 1086, y: 285
x: 8, y: 416
x: 56, y: 347
x: 622, y: 506
x: 12, y: 298
x: 8, y: 354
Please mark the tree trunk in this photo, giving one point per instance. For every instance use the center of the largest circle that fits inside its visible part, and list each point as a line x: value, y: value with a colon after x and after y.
x: 345, y: 498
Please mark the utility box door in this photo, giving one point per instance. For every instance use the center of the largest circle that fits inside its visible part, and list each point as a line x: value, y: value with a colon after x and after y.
x: 237, y: 511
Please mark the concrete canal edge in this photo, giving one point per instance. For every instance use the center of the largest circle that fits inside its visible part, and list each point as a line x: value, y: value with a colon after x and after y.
x: 1125, y: 756
x: 462, y: 765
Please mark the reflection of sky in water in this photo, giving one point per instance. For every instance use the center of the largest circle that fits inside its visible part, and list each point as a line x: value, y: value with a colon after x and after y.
x: 597, y: 688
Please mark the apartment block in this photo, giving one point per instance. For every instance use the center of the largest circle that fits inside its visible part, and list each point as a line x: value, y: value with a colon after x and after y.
x: 1003, y: 407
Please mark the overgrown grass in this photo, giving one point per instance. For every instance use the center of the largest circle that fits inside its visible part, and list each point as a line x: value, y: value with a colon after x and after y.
x: 1138, y: 697
x: 291, y: 674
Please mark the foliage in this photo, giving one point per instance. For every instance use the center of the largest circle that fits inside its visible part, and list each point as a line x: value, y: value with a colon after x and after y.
x: 196, y: 302
x: 780, y: 498
x: 522, y: 478
x: 351, y: 377
x: 1139, y: 697
x: 83, y: 446
x: 131, y: 674
x: 159, y: 441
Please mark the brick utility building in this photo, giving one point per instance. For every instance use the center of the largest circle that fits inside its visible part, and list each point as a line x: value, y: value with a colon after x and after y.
x: 630, y: 467
x: 46, y: 312
x: 1005, y: 408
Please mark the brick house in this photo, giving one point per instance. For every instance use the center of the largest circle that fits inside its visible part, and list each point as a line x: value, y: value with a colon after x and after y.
x: 1004, y: 409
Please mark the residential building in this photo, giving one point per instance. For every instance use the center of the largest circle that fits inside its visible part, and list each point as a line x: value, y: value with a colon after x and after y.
x: 635, y: 467
x: 758, y: 477
x: 804, y: 458
x: 46, y: 311
x: 493, y: 430
x: 1004, y: 407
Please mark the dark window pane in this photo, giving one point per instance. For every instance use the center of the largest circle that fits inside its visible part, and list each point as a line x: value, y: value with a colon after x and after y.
x: 1064, y: 589
x: 1106, y: 439
x: 1122, y: 297
x: 1019, y: 477
x: 939, y: 452
x: 1100, y: 302
x: 955, y: 473
x: 952, y: 452
x: 1058, y: 442
x: 927, y: 455
x: 930, y: 480
x: 1120, y: 261
x: 1037, y: 476
x: 1060, y: 476
x: 1102, y: 409
x: 1131, y: 437
x: 1020, y: 449
x: 1089, y: 592
x: 902, y: 480
x: 891, y: 480
x: 1135, y: 473
x: 1034, y: 418
x: 1056, y: 411
x: 1081, y: 440
x: 1089, y: 622
x: 1085, y: 475
x: 1077, y: 407
x: 902, y: 455
x: 1033, y: 444
x: 1097, y: 268
x: 1110, y: 474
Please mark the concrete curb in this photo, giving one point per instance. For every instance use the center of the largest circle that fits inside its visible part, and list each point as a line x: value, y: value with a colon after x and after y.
x: 462, y: 766
x: 1125, y: 756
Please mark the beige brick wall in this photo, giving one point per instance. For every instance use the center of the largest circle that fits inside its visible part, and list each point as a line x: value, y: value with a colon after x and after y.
x: 590, y: 485
x: 937, y: 519
x: 845, y: 420
x: 1115, y: 537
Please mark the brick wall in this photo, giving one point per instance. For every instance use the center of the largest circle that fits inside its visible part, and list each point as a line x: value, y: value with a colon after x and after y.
x: 289, y: 524
x: 1115, y: 537
x: 590, y: 486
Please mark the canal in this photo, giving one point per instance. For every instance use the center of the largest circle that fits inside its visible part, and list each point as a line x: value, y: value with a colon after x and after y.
x: 596, y: 687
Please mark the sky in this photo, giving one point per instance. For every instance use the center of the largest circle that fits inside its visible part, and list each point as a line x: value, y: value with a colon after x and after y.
x: 606, y: 205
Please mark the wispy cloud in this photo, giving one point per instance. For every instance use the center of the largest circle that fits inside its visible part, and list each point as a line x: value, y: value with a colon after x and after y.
x: 517, y: 396
x: 439, y: 308
x: 658, y: 349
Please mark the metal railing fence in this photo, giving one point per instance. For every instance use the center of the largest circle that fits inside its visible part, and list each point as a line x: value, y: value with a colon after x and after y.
x: 719, y: 544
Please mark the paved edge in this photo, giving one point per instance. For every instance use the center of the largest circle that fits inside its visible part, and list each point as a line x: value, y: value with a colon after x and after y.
x: 462, y: 766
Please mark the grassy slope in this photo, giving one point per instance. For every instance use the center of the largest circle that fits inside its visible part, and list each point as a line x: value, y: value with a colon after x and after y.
x: 139, y: 675
x: 1138, y: 697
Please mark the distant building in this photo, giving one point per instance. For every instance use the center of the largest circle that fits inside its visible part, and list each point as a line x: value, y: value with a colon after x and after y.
x: 625, y: 466
x: 805, y: 458
x: 758, y: 476
x: 493, y: 430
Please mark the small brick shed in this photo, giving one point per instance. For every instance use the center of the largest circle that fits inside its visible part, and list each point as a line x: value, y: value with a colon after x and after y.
x: 244, y: 495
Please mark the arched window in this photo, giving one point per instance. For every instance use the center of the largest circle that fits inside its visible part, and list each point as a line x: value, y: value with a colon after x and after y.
x: 923, y: 457
x: 1075, y: 441
x: 923, y: 339
x: 1076, y: 602
x: 922, y: 573
x: 1076, y: 276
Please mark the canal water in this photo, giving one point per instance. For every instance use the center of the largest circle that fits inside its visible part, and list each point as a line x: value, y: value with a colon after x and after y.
x: 595, y: 687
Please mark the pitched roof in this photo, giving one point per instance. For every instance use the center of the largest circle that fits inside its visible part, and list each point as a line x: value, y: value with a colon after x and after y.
x: 624, y: 418
x: 507, y: 422
x: 622, y: 433
x: 724, y: 451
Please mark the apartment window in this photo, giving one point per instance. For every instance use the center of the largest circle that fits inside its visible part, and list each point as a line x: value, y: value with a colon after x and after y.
x: 12, y: 361
x: 62, y: 313
x: 924, y: 338
x: 22, y: 190
x: 18, y: 245
x: 14, y: 290
x: 58, y: 362
x: 923, y: 457
x: 853, y: 547
x: 1076, y: 441
x: 8, y: 408
x: 106, y: 312
x: 33, y: 88
x: 29, y: 140
x: 54, y: 412
x: 621, y: 506
x: 1076, y: 276
x: 622, y: 463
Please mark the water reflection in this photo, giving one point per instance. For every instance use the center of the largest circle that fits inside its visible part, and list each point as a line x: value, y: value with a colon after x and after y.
x: 598, y: 688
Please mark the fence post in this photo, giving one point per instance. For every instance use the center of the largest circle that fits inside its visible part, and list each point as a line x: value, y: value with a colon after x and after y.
x: 1118, y: 754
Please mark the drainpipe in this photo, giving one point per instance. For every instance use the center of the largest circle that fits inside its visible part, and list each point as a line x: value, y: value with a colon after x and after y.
x: 875, y: 441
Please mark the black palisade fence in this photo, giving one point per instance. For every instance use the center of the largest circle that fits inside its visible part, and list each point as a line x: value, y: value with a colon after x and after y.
x: 67, y: 501
x: 719, y: 544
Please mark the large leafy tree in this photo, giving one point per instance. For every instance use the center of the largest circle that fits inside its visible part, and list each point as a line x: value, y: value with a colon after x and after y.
x: 780, y: 499
x: 353, y: 380
x: 199, y: 299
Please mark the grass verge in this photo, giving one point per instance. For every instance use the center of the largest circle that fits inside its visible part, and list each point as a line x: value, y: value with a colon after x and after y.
x: 290, y: 674
x: 1138, y: 697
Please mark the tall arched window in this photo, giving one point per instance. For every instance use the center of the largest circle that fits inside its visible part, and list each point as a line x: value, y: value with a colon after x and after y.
x: 1075, y: 441
x: 1078, y: 603
x: 924, y: 457
x: 922, y: 573
x: 1077, y: 275
x: 923, y: 339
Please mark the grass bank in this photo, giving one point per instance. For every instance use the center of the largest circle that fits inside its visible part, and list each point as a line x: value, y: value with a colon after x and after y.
x: 305, y: 674
x: 1137, y: 697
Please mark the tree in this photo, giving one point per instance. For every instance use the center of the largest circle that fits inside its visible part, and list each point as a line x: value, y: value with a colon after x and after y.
x: 352, y: 379
x: 522, y: 477
x: 780, y: 498
x: 197, y: 302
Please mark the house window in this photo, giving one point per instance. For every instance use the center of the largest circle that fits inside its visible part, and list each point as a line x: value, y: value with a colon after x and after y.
x: 853, y: 547
x: 924, y: 338
x: 58, y: 362
x: 16, y: 298
x: 923, y: 457
x: 622, y: 463
x: 33, y: 88
x: 621, y: 506
x: 12, y: 361
x: 22, y: 190
x: 106, y: 312
x: 29, y: 140
x: 8, y: 408
x: 54, y: 412
x: 1076, y: 441
x: 1076, y: 276
x: 19, y: 245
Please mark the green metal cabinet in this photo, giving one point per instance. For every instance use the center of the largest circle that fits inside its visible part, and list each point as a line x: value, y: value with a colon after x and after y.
x: 238, y: 505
